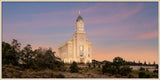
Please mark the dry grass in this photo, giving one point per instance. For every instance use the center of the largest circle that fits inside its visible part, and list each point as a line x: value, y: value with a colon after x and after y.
x: 10, y: 71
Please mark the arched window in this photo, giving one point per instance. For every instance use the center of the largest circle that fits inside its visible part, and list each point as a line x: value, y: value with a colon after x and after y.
x: 88, y: 49
x: 81, y: 54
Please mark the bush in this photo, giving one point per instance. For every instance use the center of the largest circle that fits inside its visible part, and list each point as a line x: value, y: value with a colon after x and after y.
x: 10, y: 52
x: 60, y: 76
x: 125, y: 70
x: 118, y: 62
x: 99, y: 66
x: 46, y: 59
x: 142, y: 69
x: 147, y: 76
x: 142, y: 75
x: 94, y: 65
x: 117, y: 67
x: 74, y: 68
x: 89, y: 65
x: 62, y: 68
x: 155, y: 71
x: 107, y: 68
x: 147, y: 70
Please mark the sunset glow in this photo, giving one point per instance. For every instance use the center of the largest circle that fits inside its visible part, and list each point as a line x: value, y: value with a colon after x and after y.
x: 125, y: 29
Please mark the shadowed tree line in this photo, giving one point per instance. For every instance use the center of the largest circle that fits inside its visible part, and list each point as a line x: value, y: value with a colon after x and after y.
x: 121, y: 67
x: 117, y: 67
x: 37, y: 59
x: 40, y: 59
x: 140, y: 63
x: 130, y: 63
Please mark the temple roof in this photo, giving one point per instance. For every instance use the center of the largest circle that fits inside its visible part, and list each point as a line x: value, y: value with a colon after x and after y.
x: 79, y: 17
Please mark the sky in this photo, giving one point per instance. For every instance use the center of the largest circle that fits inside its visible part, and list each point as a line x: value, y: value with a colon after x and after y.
x: 125, y: 29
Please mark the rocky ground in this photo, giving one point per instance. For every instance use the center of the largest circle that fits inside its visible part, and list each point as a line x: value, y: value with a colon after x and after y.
x: 9, y: 71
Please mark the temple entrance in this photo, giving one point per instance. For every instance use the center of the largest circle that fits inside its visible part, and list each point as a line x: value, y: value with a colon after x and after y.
x: 81, y: 60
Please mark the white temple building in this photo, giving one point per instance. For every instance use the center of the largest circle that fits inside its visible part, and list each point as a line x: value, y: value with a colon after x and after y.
x: 78, y: 48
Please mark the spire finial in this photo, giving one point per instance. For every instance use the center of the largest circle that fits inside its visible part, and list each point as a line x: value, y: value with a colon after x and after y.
x: 79, y: 12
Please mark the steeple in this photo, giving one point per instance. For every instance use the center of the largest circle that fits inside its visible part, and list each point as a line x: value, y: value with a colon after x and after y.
x: 79, y: 17
x: 79, y: 12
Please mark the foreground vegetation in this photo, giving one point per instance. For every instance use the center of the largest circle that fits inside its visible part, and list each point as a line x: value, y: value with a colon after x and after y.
x: 10, y: 71
x: 42, y: 63
x: 28, y: 59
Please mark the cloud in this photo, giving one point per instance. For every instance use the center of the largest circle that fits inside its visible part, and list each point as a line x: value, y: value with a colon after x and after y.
x: 125, y: 31
x: 121, y: 13
x: 150, y: 35
x: 55, y: 19
x: 92, y: 8
x: 40, y: 22
x: 110, y: 30
x: 33, y: 36
x: 112, y: 34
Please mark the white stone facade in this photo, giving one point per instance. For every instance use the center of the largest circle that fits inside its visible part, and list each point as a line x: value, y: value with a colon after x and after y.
x: 78, y: 48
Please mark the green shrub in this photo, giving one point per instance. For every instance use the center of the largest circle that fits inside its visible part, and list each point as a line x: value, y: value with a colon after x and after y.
x: 117, y: 67
x: 94, y: 65
x: 118, y: 62
x: 142, y: 75
x: 10, y: 52
x: 147, y: 70
x: 89, y: 65
x: 99, y: 66
x: 107, y: 68
x: 74, y: 68
x: 155, y: 71
x: 125, y: 70
x: 142, y: 69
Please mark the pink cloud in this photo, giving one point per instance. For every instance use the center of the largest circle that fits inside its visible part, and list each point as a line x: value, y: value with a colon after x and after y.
x: 41, y: 19
x: 130, y: 31
x: 120, y: 15
x: 33, y: 36
x: 39, y: 22
x: 122, y: 35
x: 91, y: 9
x: 110, y: 31
x: 149, y: 35
x: 45, y: 19
x: 21, y: 24
x: 59, y: 13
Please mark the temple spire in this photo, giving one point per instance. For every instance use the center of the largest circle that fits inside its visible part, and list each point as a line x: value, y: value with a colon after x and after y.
x: 79, y: 12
